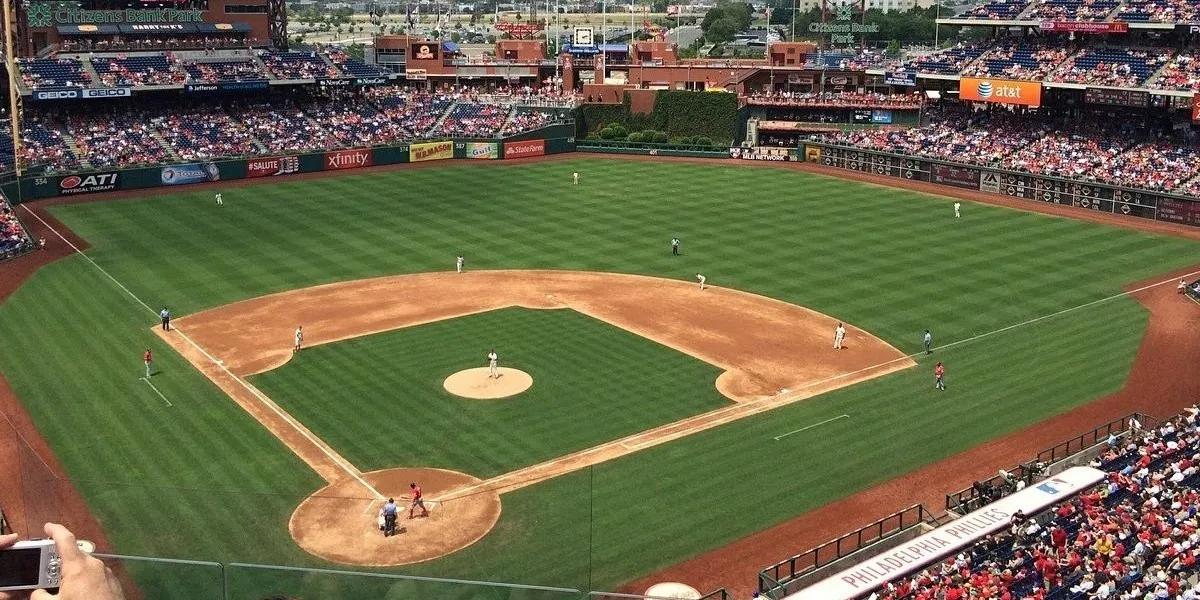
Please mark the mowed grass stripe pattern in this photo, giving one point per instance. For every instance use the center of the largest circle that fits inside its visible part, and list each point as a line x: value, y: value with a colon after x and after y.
x: 379, y: 399
x: 891, y: 261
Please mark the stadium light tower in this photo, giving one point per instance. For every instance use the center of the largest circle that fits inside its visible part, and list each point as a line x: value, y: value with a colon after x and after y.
x: 14, y: 97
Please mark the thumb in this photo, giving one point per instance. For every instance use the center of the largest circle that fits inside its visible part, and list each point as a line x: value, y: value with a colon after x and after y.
x: 42, y: 595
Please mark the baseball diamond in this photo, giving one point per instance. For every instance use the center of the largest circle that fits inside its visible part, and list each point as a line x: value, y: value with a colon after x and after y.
x: 416, y: 319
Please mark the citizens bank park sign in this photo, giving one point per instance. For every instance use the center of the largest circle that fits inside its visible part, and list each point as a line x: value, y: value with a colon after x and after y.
x: 49, y: 14
x: 915, y: 554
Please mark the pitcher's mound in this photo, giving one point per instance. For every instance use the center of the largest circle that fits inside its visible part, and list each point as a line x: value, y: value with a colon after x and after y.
x: 340, y: 521
x: 475, y: 383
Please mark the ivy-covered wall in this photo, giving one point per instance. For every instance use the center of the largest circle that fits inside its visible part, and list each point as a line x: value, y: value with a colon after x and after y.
x: 679, y: 114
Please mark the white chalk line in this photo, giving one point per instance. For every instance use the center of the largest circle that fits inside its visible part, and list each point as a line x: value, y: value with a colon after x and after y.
x: 814, y: 425
x: 341, y: 462
x: 160, y: 394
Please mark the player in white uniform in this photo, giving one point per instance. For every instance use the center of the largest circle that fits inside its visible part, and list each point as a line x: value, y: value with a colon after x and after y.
x: 839, y: 334
x: 493, y: 359
x: 299, y: 337
x: 958, y: 210
x: 575, y: 178
x: 220, y: 202
x: 458, y: 264
x: 702, y: 279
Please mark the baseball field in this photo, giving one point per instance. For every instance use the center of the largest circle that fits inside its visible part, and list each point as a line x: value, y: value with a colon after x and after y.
x: 662, y: 422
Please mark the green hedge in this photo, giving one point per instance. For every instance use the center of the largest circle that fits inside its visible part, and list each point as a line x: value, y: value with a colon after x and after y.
x: 679, y: 114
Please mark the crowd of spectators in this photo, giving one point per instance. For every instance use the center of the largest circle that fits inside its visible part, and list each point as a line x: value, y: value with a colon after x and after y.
x: 136, y: 71
x: 526, y: 120
x: 1133, y: 536
x: 53, y: 72
x: 202, y: 134
x: 1120, y: 153
x: 223, y: 70
x: 118, y: 43
x: 836, y: 99
x: 117, y: 139
x: 1020, y: 59
x: 1119, y: 67
x: 13, y: 238
x: 1073, y: 10
x: 997, y: 10
x: 950, y: 61
x: 297, y: 65
x: 1159, y: 11
x: 471, y: 119
x: 1182, y: 73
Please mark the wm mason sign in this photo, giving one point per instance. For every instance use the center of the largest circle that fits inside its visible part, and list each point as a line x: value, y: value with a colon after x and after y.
x: 49, y: 14
x: 843, y: 29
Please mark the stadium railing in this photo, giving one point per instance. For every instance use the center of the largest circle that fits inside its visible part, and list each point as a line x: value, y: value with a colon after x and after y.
x: 717, y: 594
x: 777, y: 576
x: 969, y: 499
x: 654, y: 149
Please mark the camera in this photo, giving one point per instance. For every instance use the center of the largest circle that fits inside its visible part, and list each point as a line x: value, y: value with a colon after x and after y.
x: 29, y: 565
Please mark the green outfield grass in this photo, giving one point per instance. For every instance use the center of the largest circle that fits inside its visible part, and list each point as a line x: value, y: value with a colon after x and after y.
x: 203, y: 480
x: 393, y: 411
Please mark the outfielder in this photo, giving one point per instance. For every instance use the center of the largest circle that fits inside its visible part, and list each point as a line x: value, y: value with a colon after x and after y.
x: 299, y: 339
x: 458, y: 264
x: 575, y: 178
x: 939, y: 377
x: 674, y: 246
x: 493, y: 360
x: 958, y: 210
x: 149, y: 360
x: 702, y: 279
x: 839, y: 334
x: 220, y: 202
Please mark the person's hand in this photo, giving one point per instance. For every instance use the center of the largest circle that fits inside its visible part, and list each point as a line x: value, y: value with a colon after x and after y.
x: 6, y: 541
x: 84, y: 577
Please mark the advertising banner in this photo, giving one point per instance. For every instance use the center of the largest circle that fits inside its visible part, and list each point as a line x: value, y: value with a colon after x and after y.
x: 416, y: 74
x: 192, y: 173
x: 523, y: 149
x: 1179, y: 211
x: 1085, y: 26
x: 989, y: 182
x: 368, y: 81
x: 915, y: 554
x: 900, y: 78
x: 424, y: 51
x: 765, y: 154
x: 483, y: 150
x: 269, y: 167
x: 812, y: 153
x: 1003, y: 91
x: 83, y: 93
x: 881, y: 117
x: 86, y: 184
x: 348, y: 159
x: 963, y: 177
x: 327, y: 82
x: 430, y: 151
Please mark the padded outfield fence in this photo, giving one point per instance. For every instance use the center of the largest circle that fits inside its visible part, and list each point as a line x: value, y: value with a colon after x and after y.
x: 1085, y: 195
x: 779, y: 576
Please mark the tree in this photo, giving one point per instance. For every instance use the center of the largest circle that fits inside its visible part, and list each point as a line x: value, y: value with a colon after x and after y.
x: 658, y: 6
x: 724, y: 20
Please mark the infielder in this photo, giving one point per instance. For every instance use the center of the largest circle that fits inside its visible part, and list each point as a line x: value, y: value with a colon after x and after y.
x: 575, y: 178
x: 299, y: 339
x: 458, y: 264
x: 839, y: 334
x: 220, y: 202
x: 958, y: 210
x: 417, y: 501
x: 149, y: 360
x: 928, y: 341
x: 702, y: 279
x: 493, y: 360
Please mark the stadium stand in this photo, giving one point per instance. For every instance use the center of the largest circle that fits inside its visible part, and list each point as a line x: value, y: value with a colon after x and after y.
x: 947, y: 62
x: 525, y: 120
x: 136, y: 71
x: 1158, y: 11
x: 116, y: 139
x: 835, y: 100
x: 53, y: 72
x: 1181, y: 73
x: 1132, y: 536
x: 297, y: 65
x: 1019, y: 59
x: 1074, y: 10
x: 204, y: 134
x: 471, y: 119
x: 997, y: 10
x: 14, y: 239
x: 214, y: 71
x: 350, y: 65
x: 1121, y: 67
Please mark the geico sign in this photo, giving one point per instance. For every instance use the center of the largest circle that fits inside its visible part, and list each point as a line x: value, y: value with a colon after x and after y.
x: 56, y: 95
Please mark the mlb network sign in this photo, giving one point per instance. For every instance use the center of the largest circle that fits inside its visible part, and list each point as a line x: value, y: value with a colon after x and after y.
x: 1003, y: 91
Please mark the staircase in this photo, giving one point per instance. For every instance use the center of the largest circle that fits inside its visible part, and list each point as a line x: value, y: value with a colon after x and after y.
x: 262, y: 66
x: 161, y: 142
x: 442, y: 119
x: 90, y: 69
x: 1158, y: 73
x: 512, y: 113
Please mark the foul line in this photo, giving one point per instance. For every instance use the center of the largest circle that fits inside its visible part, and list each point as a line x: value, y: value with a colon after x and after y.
x: 160, y: 394
x: 339, y: 461
x: 780, y: 437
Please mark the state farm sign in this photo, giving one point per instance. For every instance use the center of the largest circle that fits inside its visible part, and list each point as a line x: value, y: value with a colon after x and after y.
x: 523, y: 149
x: 347, y: 159
x: 86, y: 184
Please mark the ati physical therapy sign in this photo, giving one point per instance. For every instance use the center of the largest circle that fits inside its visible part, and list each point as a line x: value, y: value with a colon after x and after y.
x: 49, y: 14
x: 911, y: 556
x: 1003, y: 91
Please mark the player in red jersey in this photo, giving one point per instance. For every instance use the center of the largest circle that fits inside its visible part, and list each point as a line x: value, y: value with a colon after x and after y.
x: 417, y: 501
x: 939, y: 374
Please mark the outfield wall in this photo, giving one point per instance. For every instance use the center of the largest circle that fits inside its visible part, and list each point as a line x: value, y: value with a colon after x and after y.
x: 555, y: 139
x: 1099, y: 197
